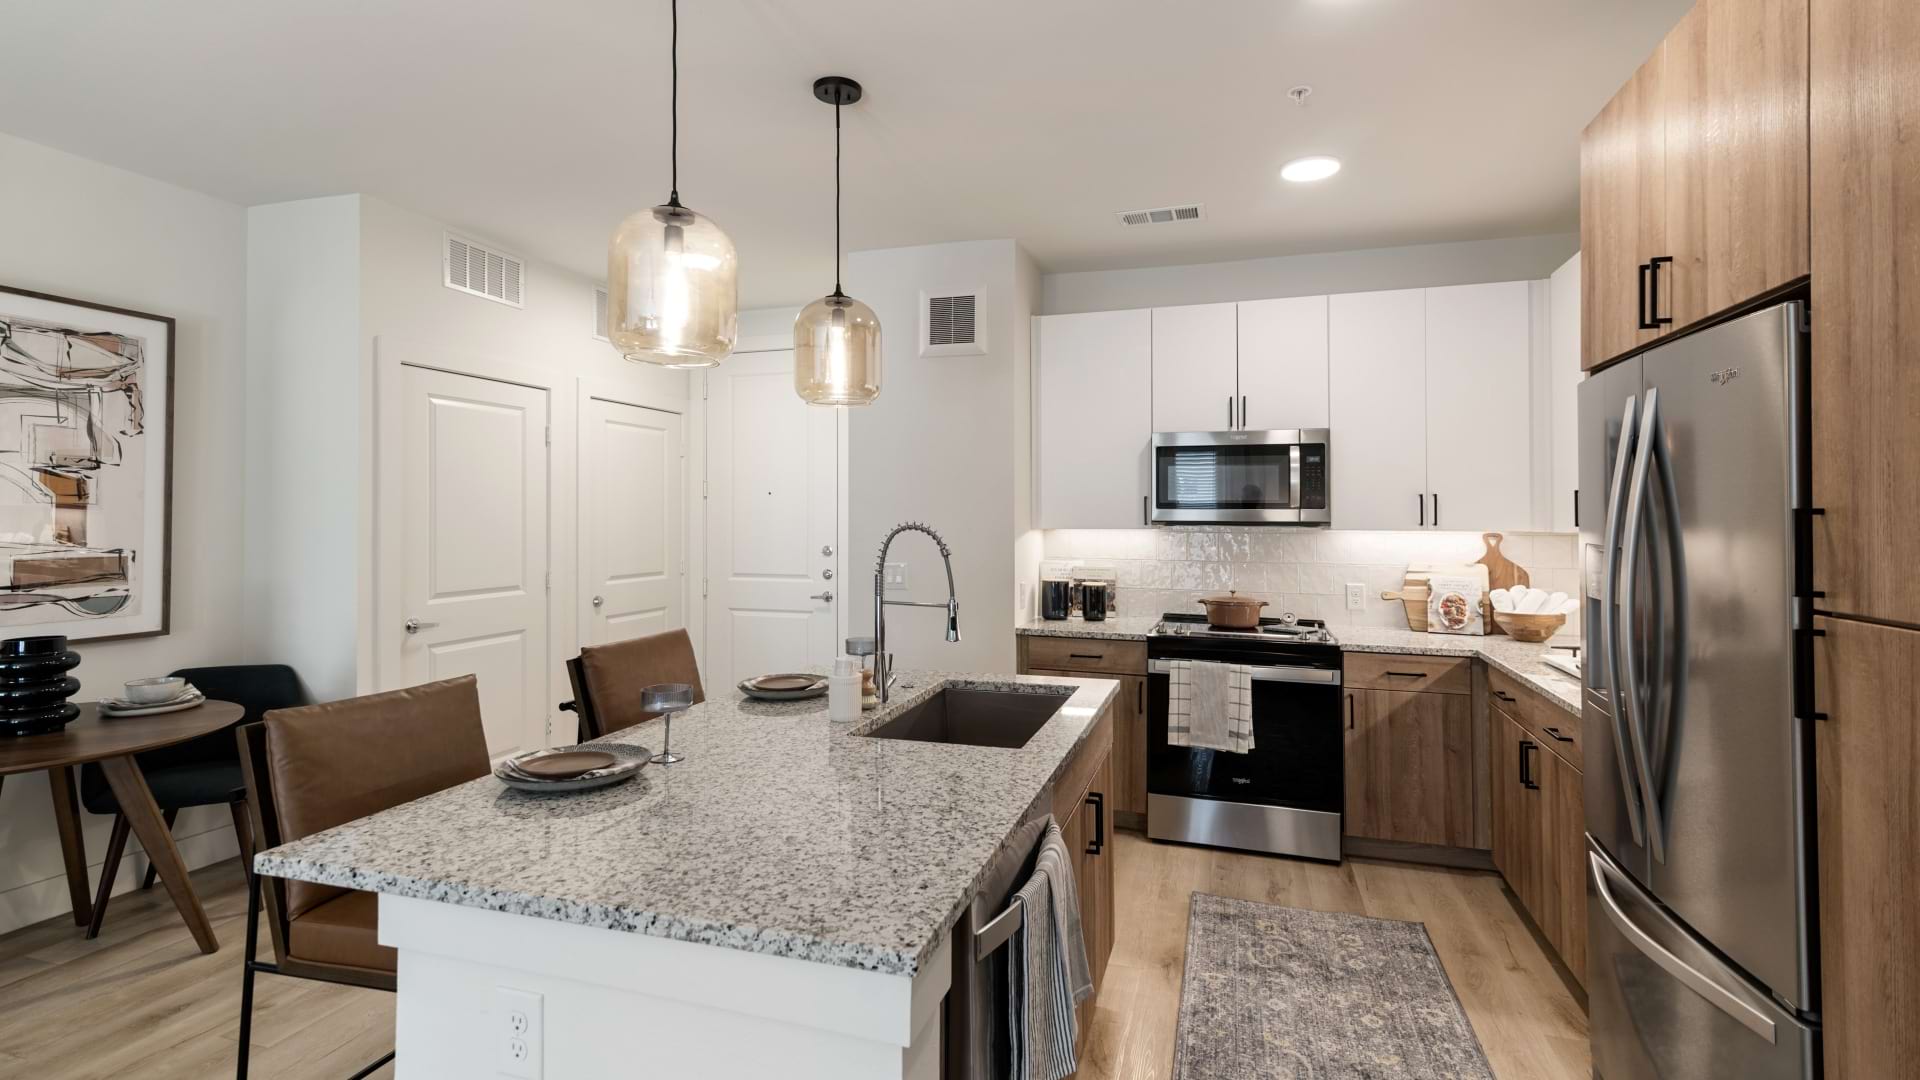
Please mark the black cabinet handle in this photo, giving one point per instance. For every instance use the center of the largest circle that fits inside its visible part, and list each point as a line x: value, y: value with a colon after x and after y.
x: 1423, y: 509
x: 1640, y: 316
x: 1229, y: 412
x: 1656, y: 320
x: 1099, y: 801
x: 1145, y: 517
x: 1436, y: 509
x: 1526, y: 774
x: 1349, y: 710
x: 1140, y: 696
x: 1243, y: 411
x: 1576, y: 508
x: 1086, y: 656
x: 1504, y: 696
x: 1554, y: 734
x: 1407, y: 674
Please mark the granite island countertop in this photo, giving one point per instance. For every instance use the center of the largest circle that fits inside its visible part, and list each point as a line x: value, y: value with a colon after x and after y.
x: 782, y: 832
x: 1517, y: 658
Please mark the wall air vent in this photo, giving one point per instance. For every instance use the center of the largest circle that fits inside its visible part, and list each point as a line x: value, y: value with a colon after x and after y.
x: 1165, y: 215
x: 484, y: 270
x: 950, y: 325
x: 600, y: 315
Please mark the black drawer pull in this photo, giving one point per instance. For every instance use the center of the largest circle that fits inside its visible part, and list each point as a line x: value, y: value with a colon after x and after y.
x: 1526, y: 774
x: 1099, y: 801
x: 1349, y: 712
x: 1086, y: 656
x: 1508, y: 698
x: 1554, y: 733
x: 1408, y: 674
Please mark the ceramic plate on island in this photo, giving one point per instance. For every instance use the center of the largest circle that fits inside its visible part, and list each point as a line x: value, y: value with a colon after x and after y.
x: 557, y: 769
x: 189, y: 698
x: 785, y: 686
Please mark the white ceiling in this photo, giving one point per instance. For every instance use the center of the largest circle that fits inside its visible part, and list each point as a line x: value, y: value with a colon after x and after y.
x: 540, y: 125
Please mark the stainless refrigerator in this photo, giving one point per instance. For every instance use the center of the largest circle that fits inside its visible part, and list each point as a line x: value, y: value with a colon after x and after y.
x: 1699, y: 779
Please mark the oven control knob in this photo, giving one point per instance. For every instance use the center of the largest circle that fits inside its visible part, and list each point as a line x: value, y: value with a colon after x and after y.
x: 1288, y: 618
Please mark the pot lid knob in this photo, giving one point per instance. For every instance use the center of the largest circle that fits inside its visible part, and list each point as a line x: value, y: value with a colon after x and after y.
x: 1288, y: 618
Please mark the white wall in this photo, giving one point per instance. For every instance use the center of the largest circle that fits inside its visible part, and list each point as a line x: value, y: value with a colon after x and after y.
x: 943, y: 445
x: 77, y: 228
x: 1424, y: 266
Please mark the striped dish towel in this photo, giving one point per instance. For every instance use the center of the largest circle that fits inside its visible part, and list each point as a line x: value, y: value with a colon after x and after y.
x: 1047, y: 967
x: 1210, y: 706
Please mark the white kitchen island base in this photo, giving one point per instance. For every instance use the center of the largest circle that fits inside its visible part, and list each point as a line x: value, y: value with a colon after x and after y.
x: 616, y: 1004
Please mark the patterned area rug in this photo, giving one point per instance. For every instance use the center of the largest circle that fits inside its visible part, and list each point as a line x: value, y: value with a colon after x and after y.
x: 1279, y: 993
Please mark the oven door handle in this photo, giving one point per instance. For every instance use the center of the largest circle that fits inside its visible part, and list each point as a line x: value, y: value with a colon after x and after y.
x: 1266, y: 673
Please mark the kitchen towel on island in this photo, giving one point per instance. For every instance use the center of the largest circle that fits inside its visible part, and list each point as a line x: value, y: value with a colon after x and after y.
x: 1047, y: 972
x: 1210, y: 706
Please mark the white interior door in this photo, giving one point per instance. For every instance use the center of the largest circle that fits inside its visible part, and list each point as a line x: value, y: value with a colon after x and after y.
x: 772, y: 514
x: 474, y: 546
x: 1377, y: 396
x: 632, y: 532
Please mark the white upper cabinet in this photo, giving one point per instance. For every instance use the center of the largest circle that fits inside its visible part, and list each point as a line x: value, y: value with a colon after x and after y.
x: 1195, y: 356
x: 1283, y: 363
x: 1377, y: 401
x: 1564, y: 379
x: 1479, y: 423
x: 1093, y: 414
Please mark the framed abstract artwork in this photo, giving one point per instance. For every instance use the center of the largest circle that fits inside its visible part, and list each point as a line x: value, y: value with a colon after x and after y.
x: 86, y: 459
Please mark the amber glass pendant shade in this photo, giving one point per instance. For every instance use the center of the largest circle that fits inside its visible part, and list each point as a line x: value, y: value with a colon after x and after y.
x: 836, y: 352
x: 672, y: 293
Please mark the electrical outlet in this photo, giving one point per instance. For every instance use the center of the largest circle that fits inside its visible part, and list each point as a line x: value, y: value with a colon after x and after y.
x: 520, y: 1031
x: 1356, y: 596
x: 896, y: 575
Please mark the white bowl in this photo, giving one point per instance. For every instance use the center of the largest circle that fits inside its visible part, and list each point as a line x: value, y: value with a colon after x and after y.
x: 155, y: 690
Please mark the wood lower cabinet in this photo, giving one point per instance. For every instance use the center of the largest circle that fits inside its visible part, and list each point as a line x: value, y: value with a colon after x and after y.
x: 1126, y: 663
x: 1409, y: 766
x: 1087, y: 829
x: 1539, y: 836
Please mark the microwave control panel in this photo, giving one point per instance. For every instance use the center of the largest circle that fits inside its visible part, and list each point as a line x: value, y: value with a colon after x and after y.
x: 1313, y: 476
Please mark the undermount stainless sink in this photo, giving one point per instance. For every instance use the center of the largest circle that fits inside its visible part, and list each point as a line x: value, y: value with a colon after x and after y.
x: 970, y: 717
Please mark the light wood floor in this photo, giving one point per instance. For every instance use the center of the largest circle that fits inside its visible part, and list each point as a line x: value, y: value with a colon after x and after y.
x: 141, y: 1001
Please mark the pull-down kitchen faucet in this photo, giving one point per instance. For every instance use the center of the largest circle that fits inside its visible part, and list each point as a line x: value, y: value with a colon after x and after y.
x: 882, y: 661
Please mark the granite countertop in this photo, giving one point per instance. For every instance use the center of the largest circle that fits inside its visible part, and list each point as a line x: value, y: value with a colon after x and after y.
x: 782, y: 832
x: 1517, y: 658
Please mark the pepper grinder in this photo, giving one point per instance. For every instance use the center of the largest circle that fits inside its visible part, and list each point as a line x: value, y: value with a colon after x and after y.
x: 667, y: 699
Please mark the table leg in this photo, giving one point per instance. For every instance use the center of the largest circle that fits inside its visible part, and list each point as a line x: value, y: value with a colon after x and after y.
x: 73, y: 843
x: 130, y: 788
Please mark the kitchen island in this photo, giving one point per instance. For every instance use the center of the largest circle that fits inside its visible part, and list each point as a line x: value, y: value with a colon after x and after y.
x: 778, y: 904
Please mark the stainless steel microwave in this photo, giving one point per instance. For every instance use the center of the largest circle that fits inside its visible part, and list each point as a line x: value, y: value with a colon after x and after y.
x: 1241, y: 478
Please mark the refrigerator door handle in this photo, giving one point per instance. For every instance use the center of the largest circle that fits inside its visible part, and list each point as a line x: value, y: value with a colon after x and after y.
x: 1629, y: 690
x: 1689, y: 976
x: 1610, y: 645
x: 1666, y: 735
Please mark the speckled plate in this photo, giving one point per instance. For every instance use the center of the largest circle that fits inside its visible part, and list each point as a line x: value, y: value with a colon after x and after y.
x: 510, y: 773
x: 782, y: 687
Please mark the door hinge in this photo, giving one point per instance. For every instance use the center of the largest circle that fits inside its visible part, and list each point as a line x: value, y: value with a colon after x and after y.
x: 706, y: 383
x: 549, y: 435
x: 703, y: 588
x: 703, y: 489
x: 549, y: 581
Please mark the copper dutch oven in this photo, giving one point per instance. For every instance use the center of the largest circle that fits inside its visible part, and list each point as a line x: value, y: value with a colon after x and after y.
x: 1233, y: 611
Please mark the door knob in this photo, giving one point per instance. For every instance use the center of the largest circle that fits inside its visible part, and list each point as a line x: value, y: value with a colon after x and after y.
x: 598, y: 600
x: 826, y: 596
x: 826, y: 575
x: 414, y: 626
x: 827, y: 550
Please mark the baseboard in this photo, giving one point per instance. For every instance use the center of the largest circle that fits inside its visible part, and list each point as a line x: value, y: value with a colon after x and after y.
x: 1130, y: 820
x: 1361, y: 847
x: 45, y: 899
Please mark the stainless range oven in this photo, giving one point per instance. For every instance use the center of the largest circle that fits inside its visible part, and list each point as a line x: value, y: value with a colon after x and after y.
x: 1241, y: 477
x: 1285, y: 796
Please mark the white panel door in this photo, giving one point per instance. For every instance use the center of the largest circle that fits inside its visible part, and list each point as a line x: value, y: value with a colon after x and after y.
x: 1480, y: 406
x: 1564, y: 391
x: 1095, y: 419
x: 632, y: 528
x: 474, y: 546
x: 1377, y: 372
x: 1283, y: 363
x: 772, y: 512
x: 1195, y: 387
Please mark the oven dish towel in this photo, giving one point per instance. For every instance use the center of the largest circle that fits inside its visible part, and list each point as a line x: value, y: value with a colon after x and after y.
x: 1210, y: 706
x: 1047, y: 969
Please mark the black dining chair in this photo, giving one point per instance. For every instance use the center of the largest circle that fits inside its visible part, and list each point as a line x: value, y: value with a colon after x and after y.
x: 200, y: 772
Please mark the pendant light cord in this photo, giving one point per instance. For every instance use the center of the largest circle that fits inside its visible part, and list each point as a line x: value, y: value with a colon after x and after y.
x: 836, y: 197
x: 673, y: 197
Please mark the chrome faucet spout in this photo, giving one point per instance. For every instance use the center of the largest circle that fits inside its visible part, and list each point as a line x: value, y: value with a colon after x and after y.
x: 882, y: 662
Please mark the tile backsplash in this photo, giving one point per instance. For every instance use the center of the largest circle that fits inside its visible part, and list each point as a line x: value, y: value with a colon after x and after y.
x: 1305, y: 571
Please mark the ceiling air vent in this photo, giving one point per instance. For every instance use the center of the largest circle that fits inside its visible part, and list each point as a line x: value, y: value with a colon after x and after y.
x: 950, y: 325
x: 600, y: 315
x: 483, y: 270
x: 1165, y: 215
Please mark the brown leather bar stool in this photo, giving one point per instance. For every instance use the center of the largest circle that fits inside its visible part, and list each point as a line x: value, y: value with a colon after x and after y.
x: 311, y: 768
x: 608, y: 679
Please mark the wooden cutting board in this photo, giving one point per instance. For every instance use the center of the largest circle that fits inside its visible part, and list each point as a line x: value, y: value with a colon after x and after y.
x: 1502, y: 573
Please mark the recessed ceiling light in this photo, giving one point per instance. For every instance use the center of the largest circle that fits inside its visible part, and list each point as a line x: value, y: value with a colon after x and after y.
x: 1308, y: 169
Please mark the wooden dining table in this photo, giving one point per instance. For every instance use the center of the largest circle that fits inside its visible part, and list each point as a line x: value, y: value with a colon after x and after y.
x: 112, y: 742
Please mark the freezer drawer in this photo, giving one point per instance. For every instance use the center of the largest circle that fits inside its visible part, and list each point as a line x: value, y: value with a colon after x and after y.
x: 1664, y: 1007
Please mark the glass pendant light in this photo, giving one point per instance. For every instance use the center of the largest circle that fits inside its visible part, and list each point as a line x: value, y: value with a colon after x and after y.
x: 672, y: 280
x: 836, y: 339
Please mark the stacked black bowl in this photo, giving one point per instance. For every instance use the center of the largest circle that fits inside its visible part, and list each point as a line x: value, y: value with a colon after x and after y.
x: 35, y: 686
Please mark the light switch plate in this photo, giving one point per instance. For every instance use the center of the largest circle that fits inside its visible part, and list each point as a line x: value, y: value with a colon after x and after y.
x: 896, y: 577
x: 1356, y: 596
x: 519, y: 1031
